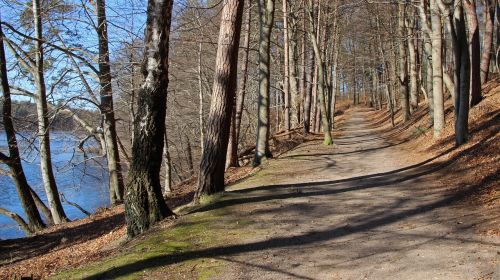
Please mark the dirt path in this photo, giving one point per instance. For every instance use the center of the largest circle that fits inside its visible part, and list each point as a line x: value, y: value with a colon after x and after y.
x: 362, y: 210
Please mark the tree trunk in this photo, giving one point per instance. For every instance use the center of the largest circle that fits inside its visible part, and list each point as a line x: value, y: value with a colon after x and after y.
x: 234, y: 138
x: 49, y: 181
x: 292, y: 72
x: 308, y: 93
x: 489, y: 17
x: 437, y: 69
x: 412, y: 55
x: 462, y: 76
x: 200, y: 97
x: 403, y: 64
x: 167, y: 188
x: 475, y: 52
x: 13, y: 160
x: 266, y: 18
x: 321, y: 79
x: 211, y: 178
x: 286, y: 70
x: 107, y: 110
x: 144, y: 202
x: 189, y: 156
x: 303, y: 74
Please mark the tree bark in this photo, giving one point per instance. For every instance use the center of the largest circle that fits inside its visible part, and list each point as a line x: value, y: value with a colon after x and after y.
x: 475, y: 52
x: 211, y: 177
x: 292, y: 72
x: 461, y: 75
x: 321, y: 79
x: 13, y: 160
x: 403, y: 64
x: 489, y: 17
x: 266, y: 19
x: 167, y: 188
x: 234, y: 138
x: 49, y: 181
x: 437, y: 68
x: 107, y: 110
x: 412, y: 55
x: 144, y: 202
x: 286, y: 70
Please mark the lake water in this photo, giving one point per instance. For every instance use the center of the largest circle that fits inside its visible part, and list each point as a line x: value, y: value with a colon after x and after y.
x: 84, y: 182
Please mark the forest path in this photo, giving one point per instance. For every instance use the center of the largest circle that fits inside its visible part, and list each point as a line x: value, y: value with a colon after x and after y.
x: 360, y: 209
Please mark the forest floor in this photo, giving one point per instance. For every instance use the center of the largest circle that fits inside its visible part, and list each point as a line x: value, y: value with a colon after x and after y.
x: 381, y: 203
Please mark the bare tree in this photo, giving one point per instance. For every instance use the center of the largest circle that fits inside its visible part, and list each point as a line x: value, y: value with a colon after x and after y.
x: 475, y: 55
x: 266, y: 19
x: 437, y: 68
x: 49, y: 181
x: 462, y: 73
x: 489, y: 18
x: 321, y: 78
x: 13, y: 159
x: 107, y: 110
x: 144, y: 202
x: 211, y: 177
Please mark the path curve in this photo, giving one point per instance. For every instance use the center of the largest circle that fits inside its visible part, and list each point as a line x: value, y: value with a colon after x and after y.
x: 359, y: 210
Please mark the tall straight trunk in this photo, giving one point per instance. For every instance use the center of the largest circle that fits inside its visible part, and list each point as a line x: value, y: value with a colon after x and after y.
x: 425, y: 23
x: 292, y: 72
x: 437, y: 68
x: 189, y: 157
x: 144, y: 202
x: 13, y: 159
x: 200, y: 97
x: 412, y: 55
x: 49, y: 181
x: 461, y: 75
x: 286, y: 70
x: 107, y: 110
x: 314, y: 96
x: 266, y: 19
x: 335, y: 76
x: 167, y: 188
x: 385, y: 72
x: 403, y: 64
x: 489, y: 18
x: 234, y: 138
x: 321, y: 79
x: 309, y: 92
x: 475, y: 52
x: 211, y: 177
x: 303, y: 73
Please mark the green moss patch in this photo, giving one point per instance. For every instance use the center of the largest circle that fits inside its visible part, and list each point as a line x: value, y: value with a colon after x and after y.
x: 171, y: 252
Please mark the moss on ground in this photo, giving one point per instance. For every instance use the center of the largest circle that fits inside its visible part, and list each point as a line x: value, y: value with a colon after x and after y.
x: 171, y: 252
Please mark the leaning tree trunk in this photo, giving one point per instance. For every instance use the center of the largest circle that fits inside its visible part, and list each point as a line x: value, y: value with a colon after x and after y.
x: 462, y: 76
x: 49, y: 181
x: 144, y: 202
x: 234, y: 138
x: 437, y: 69
x: 211, y: 177
x: 266, y: 18
x: 489, y: 18
x: 475, y: 55
x: 13, y: 160
x: 107, y: 110
x: 321, y: 79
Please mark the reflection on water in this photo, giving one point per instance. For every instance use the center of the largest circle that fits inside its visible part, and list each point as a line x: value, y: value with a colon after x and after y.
x: 81, y: 181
